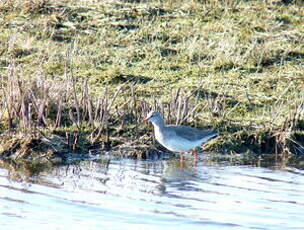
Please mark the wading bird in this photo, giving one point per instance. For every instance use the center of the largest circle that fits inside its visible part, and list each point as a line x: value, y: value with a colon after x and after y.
x: 178, y: 138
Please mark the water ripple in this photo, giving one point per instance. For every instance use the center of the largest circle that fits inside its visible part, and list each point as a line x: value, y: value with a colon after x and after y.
x: 116, y: 194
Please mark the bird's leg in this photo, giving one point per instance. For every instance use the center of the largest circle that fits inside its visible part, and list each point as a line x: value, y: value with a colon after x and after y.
x: 182, y: 157
x: 195, y: 153
x: 182, y: 160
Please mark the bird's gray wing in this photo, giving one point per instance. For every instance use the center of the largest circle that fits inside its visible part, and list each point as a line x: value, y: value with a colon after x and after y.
x: 190, y: 133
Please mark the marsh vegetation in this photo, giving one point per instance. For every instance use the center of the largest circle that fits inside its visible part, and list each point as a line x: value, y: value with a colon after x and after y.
x: 79, y: 76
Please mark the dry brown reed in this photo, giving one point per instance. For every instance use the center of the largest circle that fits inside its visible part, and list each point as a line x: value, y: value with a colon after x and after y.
x: 40, y: 104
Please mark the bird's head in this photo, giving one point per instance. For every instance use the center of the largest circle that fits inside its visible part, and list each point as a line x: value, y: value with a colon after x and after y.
x: 153, y: 116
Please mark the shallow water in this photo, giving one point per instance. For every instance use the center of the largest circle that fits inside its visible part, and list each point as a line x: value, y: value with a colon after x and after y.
x: 158, y: 194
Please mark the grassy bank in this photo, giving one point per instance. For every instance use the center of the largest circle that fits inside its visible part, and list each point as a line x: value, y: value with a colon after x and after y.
x: 87, y: 73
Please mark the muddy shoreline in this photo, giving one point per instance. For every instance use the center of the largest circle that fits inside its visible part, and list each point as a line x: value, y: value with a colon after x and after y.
x: 35, y: 154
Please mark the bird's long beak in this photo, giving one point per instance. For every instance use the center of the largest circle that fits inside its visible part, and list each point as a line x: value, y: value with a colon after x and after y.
x: 146, y: 120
